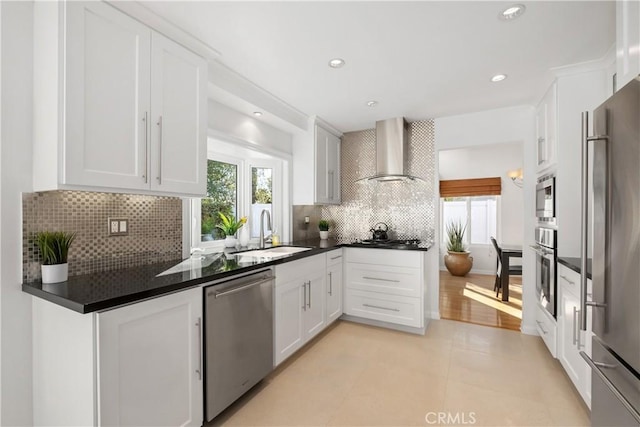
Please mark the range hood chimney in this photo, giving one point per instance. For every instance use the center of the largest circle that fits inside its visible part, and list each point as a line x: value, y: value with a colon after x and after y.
x: 392, y: 146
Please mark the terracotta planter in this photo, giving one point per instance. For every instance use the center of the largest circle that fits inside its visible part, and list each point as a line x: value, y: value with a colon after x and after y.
x: 458, y: 263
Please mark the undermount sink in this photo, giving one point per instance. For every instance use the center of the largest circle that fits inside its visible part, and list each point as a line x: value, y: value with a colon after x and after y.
x: 271, y: 253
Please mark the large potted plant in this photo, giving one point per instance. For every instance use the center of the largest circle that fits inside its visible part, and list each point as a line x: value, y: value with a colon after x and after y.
x: 54, y: 250
x: 457, y: 259
x: 230, y: 227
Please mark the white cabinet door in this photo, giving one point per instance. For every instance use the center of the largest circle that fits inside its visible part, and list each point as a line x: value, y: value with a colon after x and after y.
x: 179, y: 123
x: 107, y: 98
x: 315, y: 313
x: 288, y: 319
x: 322, y: 173
x: 334, y: 292
x: 627, y: 41
x: 333, y: 169
x: 570, y: 339
x: 150, y: 362
x: 546, y: 124
x: 327, y: 167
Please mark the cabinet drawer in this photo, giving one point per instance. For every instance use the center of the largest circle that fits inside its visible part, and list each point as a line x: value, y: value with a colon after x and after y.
x: 386, y: 308
x: 385, y: 279
x: 294, y: 269
x: 398, y: 258
x: 568, y: 279
x: 334, y: 257
x: 546, y: 326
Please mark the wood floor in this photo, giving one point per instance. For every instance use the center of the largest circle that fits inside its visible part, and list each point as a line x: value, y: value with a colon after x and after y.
x: 472, y: 299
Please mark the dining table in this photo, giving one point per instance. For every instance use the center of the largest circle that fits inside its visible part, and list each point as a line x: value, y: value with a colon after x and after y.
x: 508, y: 251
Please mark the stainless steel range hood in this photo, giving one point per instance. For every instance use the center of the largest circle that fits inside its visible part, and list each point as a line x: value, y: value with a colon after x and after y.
x: 392, y: 146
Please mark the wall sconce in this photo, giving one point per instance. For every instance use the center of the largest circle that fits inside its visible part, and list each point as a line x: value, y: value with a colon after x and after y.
x: 516, y: 177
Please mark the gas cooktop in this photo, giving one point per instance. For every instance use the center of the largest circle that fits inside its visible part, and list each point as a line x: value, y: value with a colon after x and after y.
x: 389, y: 243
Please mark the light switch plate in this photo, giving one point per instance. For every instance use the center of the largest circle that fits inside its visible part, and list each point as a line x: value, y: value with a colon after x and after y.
x: 118, y: 226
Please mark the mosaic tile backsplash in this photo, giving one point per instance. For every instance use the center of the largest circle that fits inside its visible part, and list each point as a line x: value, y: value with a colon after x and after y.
x: 407, y: 208
x: 155, y: 229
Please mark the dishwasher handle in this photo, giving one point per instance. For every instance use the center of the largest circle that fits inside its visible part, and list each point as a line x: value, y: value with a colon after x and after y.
x: 220, y: 294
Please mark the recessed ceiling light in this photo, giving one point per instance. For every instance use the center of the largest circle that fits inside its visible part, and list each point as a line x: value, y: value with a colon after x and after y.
x: 257, y: 113
x: 336, y: 63
x: 512, y: 12
x: 372, y: 103
x: 498, y: 78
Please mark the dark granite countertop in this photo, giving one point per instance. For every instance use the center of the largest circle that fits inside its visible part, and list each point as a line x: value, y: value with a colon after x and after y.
x: 105, y: 290
x: 574, y: 264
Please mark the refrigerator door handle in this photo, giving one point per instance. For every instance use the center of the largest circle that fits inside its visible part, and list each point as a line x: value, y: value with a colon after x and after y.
x: 584, y: 217
x: 594, y: 367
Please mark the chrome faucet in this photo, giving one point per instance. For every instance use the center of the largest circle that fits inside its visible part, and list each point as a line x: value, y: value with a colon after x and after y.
x: 264, y: 211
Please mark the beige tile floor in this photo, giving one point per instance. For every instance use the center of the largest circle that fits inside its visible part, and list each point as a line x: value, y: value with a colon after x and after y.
x: 356, y: 375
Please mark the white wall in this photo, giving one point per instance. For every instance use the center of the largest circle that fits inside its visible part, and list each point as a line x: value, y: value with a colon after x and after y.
x: 484, y: 162
x: 232, y: 123
x: 16, y: 177
x: 501, y: 126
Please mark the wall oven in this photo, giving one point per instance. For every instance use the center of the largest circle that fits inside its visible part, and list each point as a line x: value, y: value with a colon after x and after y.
x: 546, y: 258
x: 546, y: 199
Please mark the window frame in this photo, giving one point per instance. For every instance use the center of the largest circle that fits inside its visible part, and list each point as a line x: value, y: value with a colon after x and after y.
x: 253, y: 158
x: 443, y: 226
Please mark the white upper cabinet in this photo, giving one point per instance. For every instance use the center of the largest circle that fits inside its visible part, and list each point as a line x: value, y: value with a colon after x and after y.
x: 327, y: 167
x: 124, y: 108
x: 546, y: 130
x: 178, y: 126
x: 627, y: 41
x: 107, y: 98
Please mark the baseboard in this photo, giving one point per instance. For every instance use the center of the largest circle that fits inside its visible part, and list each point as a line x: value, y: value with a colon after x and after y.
x: 378, y: 323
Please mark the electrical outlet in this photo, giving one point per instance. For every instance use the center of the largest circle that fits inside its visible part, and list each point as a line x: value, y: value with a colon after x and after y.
x: 306, y: 220
x: 118, y: 226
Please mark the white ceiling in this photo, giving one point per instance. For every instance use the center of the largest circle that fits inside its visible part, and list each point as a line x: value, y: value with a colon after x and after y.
x: 420, y: 59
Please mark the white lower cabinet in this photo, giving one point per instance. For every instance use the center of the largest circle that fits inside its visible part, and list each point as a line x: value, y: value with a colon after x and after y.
x: 571, y: 340
x: 334, y: 285
x: 385, y: 285
x: 547, y: 329
x: 136, y: 365
x: 300, y: 304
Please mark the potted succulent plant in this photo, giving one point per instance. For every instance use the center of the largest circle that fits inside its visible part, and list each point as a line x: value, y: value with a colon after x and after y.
x: 457, y: 259
x: 230, y: 227
x: 54, y: 250
x: 323, y: 226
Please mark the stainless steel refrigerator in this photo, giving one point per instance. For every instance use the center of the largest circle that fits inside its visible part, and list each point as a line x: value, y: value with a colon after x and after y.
x: 615, y: 302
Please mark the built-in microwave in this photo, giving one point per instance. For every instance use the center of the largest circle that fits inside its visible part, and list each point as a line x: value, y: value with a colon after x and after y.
x: 546, y: 199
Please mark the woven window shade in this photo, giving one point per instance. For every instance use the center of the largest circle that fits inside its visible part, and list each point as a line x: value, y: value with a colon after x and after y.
x: 471, y: 187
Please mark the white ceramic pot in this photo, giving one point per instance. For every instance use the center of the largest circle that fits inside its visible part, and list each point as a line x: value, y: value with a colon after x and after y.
x: 324, y: 235
x: 55, y: 273
x: 230, y: 242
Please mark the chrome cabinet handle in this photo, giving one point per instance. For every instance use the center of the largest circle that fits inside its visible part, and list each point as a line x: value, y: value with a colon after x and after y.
x: 595, y: 367
x: 574, y: 326
x: 541, y: 328
x: 146, y: 147
x: 382, y: 280
x: 199, y: 370
x: 330, y: 283
x: 159, y: 177
x: 304, y: 298
x: 336, y: 257
x: 567, y: 280
x: 309, y: 305
x: 540, y: 139
x: 380, y: 307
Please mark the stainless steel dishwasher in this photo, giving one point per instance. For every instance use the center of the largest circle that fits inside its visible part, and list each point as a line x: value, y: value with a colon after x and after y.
x: 239, y: 337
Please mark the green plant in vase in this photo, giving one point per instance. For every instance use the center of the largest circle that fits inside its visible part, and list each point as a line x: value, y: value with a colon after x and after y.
x: 457, y: 260
x: 54, y: 250
x: 323, y: 226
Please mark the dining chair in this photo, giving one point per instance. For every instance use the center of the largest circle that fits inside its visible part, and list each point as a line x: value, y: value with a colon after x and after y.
x: 514, y: 270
